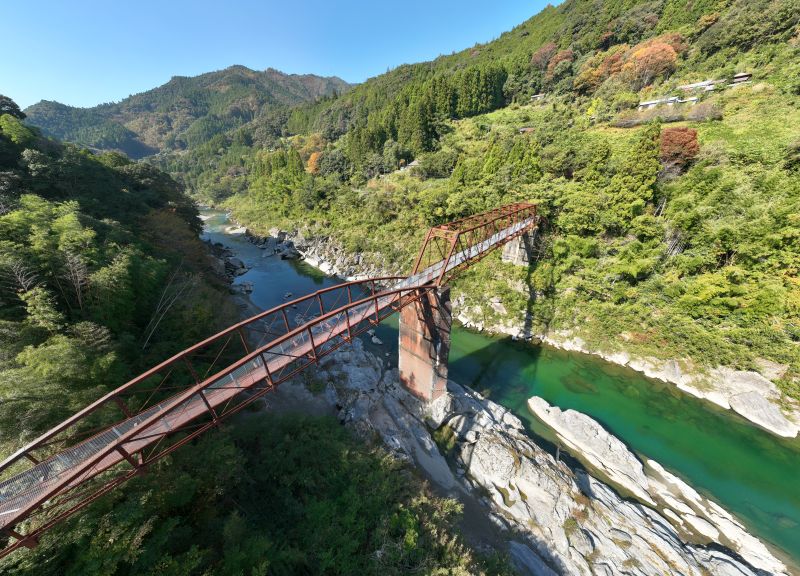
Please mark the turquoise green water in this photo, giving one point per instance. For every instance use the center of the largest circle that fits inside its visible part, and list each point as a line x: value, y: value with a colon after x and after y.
x: 752, y: 473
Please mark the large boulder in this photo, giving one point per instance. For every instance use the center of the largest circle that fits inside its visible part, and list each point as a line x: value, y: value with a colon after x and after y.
x: 588, y: 441
x: 761, y: 411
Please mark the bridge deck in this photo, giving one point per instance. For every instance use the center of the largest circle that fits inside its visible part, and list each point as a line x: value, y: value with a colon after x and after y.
x: 115, y: 445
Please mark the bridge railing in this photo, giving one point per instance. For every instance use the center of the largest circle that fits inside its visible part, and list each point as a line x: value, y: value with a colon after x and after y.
x: 122, y: 450
x: 120, y: 434
x: 452, y: 247
x: 185, y: 369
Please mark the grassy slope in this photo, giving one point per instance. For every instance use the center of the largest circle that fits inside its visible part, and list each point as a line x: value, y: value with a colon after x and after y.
x: 653, y: 317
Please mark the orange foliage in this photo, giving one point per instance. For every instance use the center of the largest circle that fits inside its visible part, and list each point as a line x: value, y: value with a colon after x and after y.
x: 679, y: 147
x: 600, y: 67
x: 312, y: 143
x: 673, y: 39
x: 641, y: 64
x: 312, y: 167
x: 559, y: 57
x: 647, y: 63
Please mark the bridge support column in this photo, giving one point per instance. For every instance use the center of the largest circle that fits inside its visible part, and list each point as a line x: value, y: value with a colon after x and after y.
x: 425, y: 344
x: 519, y: 251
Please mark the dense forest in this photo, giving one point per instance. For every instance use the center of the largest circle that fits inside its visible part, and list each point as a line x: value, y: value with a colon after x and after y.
x: 91, y: 247
x: 672, y: 230
x: 184, y: 112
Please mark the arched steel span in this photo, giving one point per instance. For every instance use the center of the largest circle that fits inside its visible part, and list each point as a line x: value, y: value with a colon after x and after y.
x: 122, y: 433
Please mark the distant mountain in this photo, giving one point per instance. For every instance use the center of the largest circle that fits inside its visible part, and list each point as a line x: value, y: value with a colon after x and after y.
x: 184, y: 112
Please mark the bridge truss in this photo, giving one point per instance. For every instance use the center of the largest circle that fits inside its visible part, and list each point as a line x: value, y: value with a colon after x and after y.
x: 125, y: 431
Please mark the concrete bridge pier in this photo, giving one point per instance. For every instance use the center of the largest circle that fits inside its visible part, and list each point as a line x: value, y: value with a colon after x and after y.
x: 519, y: 251
x: 425, y: 344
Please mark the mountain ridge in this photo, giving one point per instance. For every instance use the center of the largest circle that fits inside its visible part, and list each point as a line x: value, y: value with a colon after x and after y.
x: 183, y: 112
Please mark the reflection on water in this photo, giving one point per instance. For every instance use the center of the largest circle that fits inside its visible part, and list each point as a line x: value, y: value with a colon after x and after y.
x: 750, y: 472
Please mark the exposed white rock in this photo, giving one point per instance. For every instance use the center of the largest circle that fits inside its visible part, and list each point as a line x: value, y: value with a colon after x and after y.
x: 536, y: 495
x: 701, y: 525
x: 719, y: 385
x: 563, y: 521
x: 761, y: 411
x: 526, y: 561
x: 688, y: 511
x: 590, y: 442
x: 686, y: 501
x: 496, y: 304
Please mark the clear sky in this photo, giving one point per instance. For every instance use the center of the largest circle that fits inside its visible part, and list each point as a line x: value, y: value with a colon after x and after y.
x: 84, y: 52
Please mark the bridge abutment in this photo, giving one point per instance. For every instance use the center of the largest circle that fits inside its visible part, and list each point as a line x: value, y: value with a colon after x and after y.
x: 519, y: 251
x: 425, y: 344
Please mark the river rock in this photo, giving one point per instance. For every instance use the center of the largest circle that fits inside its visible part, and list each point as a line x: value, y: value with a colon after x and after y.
x: 288, y: 251
x: 277, y: 234
x: 570, y: 521
x: 587, y: 440
x: 687, y: 511
x: 234, y: 266
x: 496, y: 304
x: 526, y: 561
x: 759, y: 410
x: 563, y: 521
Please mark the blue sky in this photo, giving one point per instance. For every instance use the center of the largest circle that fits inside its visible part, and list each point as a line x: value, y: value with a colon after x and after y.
x: 84, y: 52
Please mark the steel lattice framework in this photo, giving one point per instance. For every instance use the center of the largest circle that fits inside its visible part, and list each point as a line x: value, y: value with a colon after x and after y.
x: 122, y: 433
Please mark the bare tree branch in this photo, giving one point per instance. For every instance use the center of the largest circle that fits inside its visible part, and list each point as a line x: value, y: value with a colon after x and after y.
x: 18, y: 276
x: 172, y: 293
x: 77, y: 274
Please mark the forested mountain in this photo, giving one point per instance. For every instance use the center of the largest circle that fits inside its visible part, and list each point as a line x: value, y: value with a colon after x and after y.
x: 672, y: 229
x: 90, y: 249
x: 184, y: 112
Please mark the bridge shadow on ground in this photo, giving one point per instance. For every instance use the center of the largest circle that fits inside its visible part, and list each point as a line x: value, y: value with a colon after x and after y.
x: 536, y: 249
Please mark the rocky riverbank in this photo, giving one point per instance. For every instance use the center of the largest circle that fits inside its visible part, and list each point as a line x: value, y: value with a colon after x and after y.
x: 323, y: 253
x: 696, y: 518
x: 753, y: 395
x: 557, y: 519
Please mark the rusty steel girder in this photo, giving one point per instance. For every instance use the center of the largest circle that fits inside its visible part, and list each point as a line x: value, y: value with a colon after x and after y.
x: 443, y: 242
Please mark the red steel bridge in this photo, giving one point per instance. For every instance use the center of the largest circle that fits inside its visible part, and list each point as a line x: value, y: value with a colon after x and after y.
x: 122, y: 433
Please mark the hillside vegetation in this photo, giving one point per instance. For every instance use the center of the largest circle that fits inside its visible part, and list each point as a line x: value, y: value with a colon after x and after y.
x: 671, y: 232
x: 184, y: 112
x: 102, y: 276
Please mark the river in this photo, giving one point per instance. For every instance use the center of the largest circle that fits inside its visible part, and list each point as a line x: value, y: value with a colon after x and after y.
x: 752, y: 473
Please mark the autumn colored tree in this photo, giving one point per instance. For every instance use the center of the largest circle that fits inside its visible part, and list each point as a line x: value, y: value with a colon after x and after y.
x: 312, y: 167
x: 559, y: 57
x: 679, y: 147
x: 541, y: 58
x: 600, y: 67
x: 673, y: 39
x: 646, y: 63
